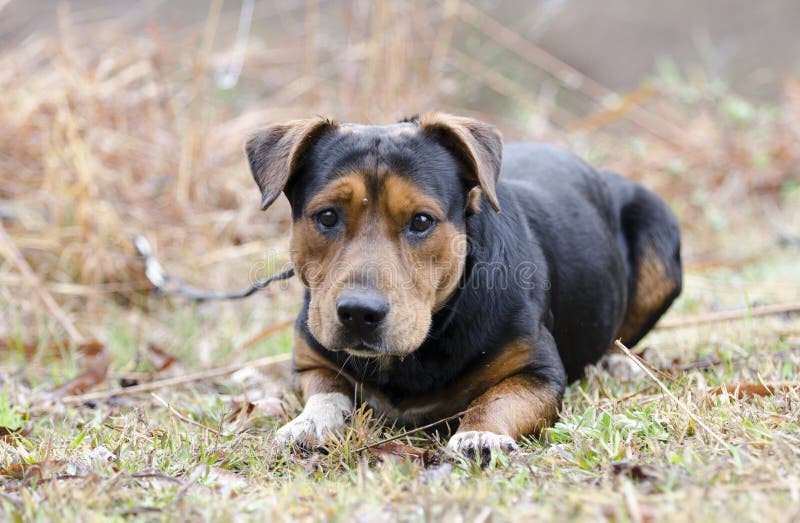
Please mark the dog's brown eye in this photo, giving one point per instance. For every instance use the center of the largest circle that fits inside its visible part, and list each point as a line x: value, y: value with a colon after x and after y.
x: 328, y: 218
x: 421, y: 223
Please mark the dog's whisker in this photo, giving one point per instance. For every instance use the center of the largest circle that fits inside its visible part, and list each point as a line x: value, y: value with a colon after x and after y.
x: 341, y: 368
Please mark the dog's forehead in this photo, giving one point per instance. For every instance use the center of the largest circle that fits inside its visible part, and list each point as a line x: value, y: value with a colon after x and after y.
x: 356, y: 147
x: 389, y: 130
x: 376, y: 153
x: 399, y: 148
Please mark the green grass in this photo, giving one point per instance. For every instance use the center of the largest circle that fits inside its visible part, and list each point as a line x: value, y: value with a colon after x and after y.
x: 621, y: 451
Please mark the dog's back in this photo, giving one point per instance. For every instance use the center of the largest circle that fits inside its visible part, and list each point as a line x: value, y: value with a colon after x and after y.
x: 598, y: 294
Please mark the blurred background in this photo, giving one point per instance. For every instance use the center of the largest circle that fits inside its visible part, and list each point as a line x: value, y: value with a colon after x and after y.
x: 120, y: 118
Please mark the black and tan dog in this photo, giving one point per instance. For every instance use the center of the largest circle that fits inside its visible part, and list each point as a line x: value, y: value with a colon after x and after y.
x: 423, y: 303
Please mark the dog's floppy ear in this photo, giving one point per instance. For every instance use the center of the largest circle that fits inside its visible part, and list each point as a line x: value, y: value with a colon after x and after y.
x: 477, y: 145
x: 274, y: 152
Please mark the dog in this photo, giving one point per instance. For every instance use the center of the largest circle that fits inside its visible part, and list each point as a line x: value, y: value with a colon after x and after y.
x: 445, y: 272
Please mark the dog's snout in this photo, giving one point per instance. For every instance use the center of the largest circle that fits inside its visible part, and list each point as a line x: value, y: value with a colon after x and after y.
x: 362, y: 311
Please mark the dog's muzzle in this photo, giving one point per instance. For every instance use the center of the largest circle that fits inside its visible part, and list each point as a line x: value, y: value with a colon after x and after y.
x: 362, y: 313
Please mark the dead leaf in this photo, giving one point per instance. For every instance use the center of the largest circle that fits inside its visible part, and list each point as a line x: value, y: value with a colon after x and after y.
x: 742, y: 390
x: 89, y: 348
x: 159, y: 358
x: 255, y: 402
x: 8, y: 434
x: 634, y: 471
x: 38, y: 470
x: 241, y: 412
x: 677, y: 365
x: 94, y: 374
x: 225, y: 482
x: 396, y: 451
x: 244, y: 411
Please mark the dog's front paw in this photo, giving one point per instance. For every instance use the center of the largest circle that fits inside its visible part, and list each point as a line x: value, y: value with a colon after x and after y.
x: 479, y: 444
x: 321, y: 421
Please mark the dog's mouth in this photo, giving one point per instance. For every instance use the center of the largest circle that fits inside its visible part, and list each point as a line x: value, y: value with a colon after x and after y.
x: 365, y: 349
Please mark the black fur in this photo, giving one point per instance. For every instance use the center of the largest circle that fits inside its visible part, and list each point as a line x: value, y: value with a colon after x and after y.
x: 575, y: 233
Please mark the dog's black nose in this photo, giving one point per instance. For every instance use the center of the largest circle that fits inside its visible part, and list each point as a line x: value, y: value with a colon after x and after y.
x: 361, y: 311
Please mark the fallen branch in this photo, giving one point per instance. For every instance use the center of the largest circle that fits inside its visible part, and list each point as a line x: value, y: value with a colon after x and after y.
x: 261, y: 336
x: 742, y: 390
x: 10, y: 498
x: 567, y: 75
x: 195, y: 376
x: 181, y: 417
x: 672, y: 396
x: 716, y: 317
x: 413, y: 431
x: 177, y: 380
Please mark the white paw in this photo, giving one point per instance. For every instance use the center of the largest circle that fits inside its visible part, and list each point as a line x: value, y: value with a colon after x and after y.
x: 321, y: 421
x: 481, y: 444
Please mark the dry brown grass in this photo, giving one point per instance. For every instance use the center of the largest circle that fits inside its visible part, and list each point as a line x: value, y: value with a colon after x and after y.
x: 105, y: 133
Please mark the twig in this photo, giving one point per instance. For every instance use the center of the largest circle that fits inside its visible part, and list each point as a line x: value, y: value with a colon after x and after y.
x: 506, y: 87
x: 269, y: 331
x: 140, y: 509
x: 10, y: 498
x: 181, y: 417
x: 607, y: 115
x: 716, y: 317
x: 191, y: 480
x: 672, y: 396
x: 413, y: 431
x: 741, y: 390
x: 177, y: 380
x: 565, y: 73
x: 695, y: 365
x: 155, y: 475
x: 12, y: 253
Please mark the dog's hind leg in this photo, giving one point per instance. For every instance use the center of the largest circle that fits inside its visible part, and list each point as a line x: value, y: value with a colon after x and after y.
x: 652, y: 237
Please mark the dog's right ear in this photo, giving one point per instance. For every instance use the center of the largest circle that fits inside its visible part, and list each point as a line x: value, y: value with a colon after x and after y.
x: 275, y: 152
x: 477, y: 145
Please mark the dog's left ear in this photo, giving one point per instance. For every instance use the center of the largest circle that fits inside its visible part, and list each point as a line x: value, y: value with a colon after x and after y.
x: 275, y: 152
x: 477, y: 145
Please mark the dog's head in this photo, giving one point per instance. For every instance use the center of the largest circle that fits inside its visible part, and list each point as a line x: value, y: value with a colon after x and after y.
x: 379, y: 212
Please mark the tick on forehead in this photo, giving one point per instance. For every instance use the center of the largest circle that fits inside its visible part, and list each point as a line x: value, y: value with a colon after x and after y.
x: 346, y: 190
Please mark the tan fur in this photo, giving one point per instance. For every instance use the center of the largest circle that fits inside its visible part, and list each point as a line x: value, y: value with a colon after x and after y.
x: 416, y: 278
x: 456, y: 397
x: 315, y: 374
x: 653, y: 288
x: 480, y: 388
x: 474, y: 201
x: 517, y: 406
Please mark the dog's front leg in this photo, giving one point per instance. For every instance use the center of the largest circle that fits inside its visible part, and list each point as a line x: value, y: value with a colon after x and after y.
x: 518, y: 405
x: 328, y: 403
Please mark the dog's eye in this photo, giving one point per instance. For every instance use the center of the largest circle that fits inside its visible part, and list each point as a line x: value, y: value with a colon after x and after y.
x: 327, y: 218
x: 420, y: 223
